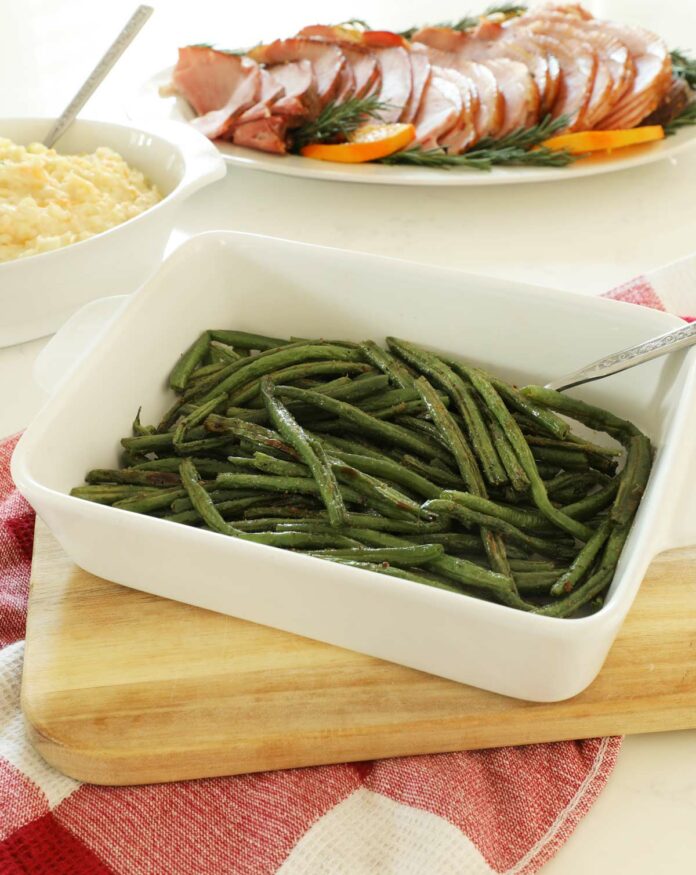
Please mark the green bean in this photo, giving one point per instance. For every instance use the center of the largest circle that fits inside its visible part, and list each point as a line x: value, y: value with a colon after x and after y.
x: 386, y: 431
x: 226, y: 509
x: 187, y: 363
x: 354, y: 446
x: 582, y: 563
x: 528, y: 565
x: 295, y: 372
x: 633, y: 480
x: 134, y: 476
x: 434, y: 368
x: 432, y: 472
x: 523, y: 519
x: 256, y: 433
x: 415, y: 554
x: 397, y: 372
x: 387, y: 469
x: 590, y: 415
x: 428, y: 429
x: 474, y: 518
x: 457, y: 542
x: 259, y: 366
x: 539, y: 582
x: 139, y: 429
x: 539, y: 416
x: 524, y: 454
x: 245, y: 340
x: 151, y: 502
x: 468, y: 467
x: 379, y: 494
x: 205, y: 371
x: 148, y: 443
x: 515, y: 472
x: 107, y: 493
x: 218, y: 496
x: 414, y: 528
x: 404, y: 574
x: 308, y: 449
x: 457, y: 569
x: 587, y: 507
x: 212, y: 518
x: 223, y: 352
x: 270, y: 465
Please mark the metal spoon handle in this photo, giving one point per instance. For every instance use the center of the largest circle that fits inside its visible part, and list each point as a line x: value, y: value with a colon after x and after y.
x: 95, y: 78
x: 629, y: 358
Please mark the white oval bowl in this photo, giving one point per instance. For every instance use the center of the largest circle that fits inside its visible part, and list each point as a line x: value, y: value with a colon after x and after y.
x: 39, y: 292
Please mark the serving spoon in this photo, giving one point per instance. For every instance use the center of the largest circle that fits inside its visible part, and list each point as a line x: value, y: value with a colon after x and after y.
x: 97, y: 76
x: 663, y: 344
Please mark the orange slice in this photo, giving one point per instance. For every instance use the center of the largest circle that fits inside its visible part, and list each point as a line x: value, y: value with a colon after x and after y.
x: 605, y: 141
x: 367, y: 143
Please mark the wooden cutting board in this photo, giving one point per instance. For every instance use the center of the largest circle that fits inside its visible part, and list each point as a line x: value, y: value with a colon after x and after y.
x: 122, y: 687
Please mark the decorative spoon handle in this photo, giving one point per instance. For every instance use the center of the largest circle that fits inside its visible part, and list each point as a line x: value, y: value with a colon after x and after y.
x: 629, y: 358
x: 96, y: 77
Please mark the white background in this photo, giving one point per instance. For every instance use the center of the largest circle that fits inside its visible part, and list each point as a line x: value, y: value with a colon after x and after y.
x: 583, y: 236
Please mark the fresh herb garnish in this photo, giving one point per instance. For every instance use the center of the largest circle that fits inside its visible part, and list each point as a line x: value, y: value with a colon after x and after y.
x: 520, y: 147
x: 684, y: 67
x: 507, y: 10
x: 338, y: 120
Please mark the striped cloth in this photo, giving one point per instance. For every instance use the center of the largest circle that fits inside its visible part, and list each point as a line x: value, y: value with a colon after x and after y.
x: 506, y: 810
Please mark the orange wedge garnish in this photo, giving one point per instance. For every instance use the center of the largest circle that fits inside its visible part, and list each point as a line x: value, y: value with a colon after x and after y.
x: 367, y: 143
x: 604, y: 141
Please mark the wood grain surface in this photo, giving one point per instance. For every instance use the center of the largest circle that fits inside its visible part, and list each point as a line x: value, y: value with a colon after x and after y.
x: 122, y: 687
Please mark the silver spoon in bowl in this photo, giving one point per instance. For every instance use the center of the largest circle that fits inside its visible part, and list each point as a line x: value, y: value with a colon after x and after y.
x: 97, y: 76
x: 663, y: 344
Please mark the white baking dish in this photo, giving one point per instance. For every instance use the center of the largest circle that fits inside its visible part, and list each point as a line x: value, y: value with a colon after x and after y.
x: 39, y: 292
x: 283, y: 288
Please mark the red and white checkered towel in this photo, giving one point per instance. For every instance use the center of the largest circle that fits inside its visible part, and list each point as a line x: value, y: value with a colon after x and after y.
x: 506, y: 810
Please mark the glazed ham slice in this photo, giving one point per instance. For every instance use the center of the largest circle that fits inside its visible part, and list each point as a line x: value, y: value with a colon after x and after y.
x: 219, y: 86
x: 519, y: 92
x: 440, y: 110
x: 327, y: 62
x: 264, y: 134
x: 652, y: 80
x: 300, y: 98
x: 420, y: 76
x: 485, y: 45
x: 396, y: 81
x: 464, y: 133
x: 271, y: 91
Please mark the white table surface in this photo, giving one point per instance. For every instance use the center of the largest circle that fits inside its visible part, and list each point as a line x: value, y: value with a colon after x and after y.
x: 583, y: 236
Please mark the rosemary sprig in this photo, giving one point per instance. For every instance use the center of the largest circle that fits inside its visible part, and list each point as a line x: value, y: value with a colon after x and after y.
x: 518, y: 148
x: 684, y: 67
x: 506, y: 10
x: 337, y: 120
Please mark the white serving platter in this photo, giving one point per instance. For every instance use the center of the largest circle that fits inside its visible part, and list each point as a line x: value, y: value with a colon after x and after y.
x: 147, y: 104
x: 254, y: 283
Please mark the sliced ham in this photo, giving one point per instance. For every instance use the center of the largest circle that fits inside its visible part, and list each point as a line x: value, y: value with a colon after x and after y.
x: 264, y: 134
x: 464, y: 133
x: 327, y: 61
x: 491, y: 104
x: 578, y: 69
x: 365, y: 68
x: 396, y: 81
x: 300, y: 99
x: 576, y: 34
x: 271, y: 91
x: 652, y: 80
x: 220, y: 86
x: 487, y: 43
x: 440, y: 109
x: 519, y: 92
x: 420, y: 76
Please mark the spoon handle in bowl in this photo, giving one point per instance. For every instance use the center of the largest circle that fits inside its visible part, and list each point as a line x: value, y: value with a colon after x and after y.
x: 96, y: 77
x: 629, y: 357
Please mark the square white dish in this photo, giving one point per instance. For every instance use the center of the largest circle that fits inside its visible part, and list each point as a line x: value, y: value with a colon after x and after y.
x: 225, y: 279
